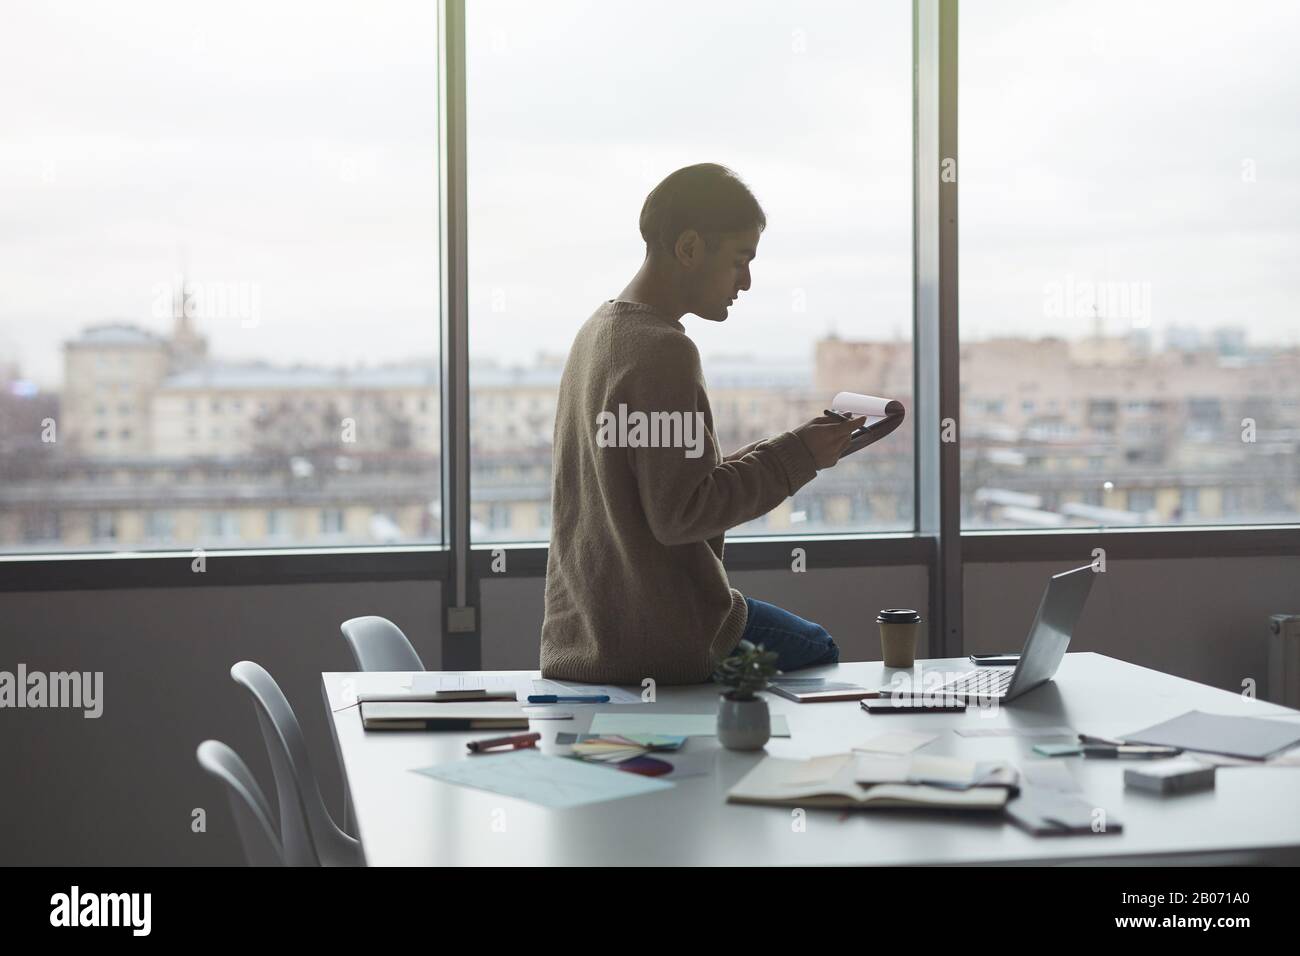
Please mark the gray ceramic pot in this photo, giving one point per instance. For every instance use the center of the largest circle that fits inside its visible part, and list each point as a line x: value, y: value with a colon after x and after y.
x: 743, y: 724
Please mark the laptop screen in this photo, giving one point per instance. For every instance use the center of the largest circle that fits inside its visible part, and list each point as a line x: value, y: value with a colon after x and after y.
x: 1054, y: 624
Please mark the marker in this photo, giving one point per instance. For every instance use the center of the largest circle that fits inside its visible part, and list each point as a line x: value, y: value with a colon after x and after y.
x: 1140, y: 751
x: 557, y: 699
x: 1092, y: 739
x: 515, y: 742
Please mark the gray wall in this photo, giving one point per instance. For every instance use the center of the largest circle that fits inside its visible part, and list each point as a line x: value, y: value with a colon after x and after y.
x: 835, y: 598
x: 1205, y: 619
x: 120, y: 789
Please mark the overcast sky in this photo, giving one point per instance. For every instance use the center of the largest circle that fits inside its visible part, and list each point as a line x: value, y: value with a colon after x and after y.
x: 286, y: 150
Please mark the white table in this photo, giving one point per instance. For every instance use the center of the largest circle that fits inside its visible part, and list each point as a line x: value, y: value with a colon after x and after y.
x: 405, y: 818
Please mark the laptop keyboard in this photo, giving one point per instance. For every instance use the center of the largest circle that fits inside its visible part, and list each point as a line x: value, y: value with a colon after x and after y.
x: 985, y: 682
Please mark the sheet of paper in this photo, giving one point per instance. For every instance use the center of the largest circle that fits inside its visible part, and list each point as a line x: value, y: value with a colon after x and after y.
x: 870, y: 405
x: 1050, y: 775
x: 681, y: 725
x: 471, y: 680
x: 555, y: 782
x: 899, y: 742
x: 1252, y: 737
x: 1289, y: 758
x: 1015, y: 732
x: 817, y: 769
x: 941, y: 771
x: 543, y: 712
x: 690, y: 765
x: 616, y: 695
x: 881, y: 768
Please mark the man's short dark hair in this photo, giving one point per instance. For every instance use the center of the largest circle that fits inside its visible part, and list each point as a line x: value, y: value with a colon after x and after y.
x: 706, y: 197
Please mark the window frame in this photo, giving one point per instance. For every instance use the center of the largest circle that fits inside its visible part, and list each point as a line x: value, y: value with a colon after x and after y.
x: 936, y: 540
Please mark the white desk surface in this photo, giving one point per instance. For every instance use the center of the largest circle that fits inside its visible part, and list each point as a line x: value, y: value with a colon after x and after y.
x: 405, y: 818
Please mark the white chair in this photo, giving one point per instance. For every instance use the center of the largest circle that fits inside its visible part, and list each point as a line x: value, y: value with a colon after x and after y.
x: 248, y: 804
x: 379, y: 645
x: 308, y: 833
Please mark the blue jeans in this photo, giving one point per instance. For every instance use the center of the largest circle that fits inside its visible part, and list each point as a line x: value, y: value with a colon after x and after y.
x: 798, y: 643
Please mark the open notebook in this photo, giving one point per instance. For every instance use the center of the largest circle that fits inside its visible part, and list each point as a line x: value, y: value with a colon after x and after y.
x: 782, y: 782
x: 883, y: 416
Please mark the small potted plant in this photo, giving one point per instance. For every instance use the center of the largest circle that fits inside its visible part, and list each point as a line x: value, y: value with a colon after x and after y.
x: 743, y: 719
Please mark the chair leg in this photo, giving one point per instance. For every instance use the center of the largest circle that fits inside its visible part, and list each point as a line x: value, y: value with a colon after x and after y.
x: 347, y: 814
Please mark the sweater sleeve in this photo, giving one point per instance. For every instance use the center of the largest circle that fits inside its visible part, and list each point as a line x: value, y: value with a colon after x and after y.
x: 688, y: 493
x: 744, y: 450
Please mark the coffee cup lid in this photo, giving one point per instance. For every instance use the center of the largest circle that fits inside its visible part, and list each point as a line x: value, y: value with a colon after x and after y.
x: 898, y: 615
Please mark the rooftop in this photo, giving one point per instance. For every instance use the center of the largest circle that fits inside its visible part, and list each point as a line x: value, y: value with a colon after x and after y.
x: 116, y: 334
x: 260, y: 375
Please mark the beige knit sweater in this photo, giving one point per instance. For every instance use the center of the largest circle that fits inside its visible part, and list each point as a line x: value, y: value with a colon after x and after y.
x: 635, y: 585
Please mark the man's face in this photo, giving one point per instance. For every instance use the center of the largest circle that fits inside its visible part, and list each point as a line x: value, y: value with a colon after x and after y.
x: 721, y: 275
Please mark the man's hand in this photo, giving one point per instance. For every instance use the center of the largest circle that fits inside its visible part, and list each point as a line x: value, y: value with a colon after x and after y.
x: 826, y: 435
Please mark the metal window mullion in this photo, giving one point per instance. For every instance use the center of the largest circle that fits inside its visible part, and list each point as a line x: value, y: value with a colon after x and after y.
x: 936, y: 353
x: 460, y: 634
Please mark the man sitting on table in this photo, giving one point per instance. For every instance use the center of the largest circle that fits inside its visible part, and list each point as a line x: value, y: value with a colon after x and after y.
x: 641, y: 498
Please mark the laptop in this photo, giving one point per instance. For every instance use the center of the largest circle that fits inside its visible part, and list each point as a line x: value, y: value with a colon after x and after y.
x: 1058, y: 613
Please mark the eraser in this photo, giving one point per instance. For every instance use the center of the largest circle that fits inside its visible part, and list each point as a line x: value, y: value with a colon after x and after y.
x: 1171, y: 776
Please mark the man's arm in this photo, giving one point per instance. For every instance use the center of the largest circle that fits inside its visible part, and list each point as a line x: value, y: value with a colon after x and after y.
x: 688, y: 499
x: 742, y: 452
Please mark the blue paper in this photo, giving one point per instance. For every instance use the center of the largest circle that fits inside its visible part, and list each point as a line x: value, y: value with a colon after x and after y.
x: 555, y: 782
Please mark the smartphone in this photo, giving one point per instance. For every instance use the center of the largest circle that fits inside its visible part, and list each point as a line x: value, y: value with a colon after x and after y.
x: 995, y: 660
x: 891, y: 705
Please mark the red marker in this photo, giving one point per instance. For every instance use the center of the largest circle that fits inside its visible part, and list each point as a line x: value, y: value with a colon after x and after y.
x: 515, y: 742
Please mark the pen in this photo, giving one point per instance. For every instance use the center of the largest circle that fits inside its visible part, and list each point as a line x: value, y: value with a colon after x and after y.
x: 560, y: 699
x: 515, y: 742
x: 1129, y: 750
x: 1091, y: 739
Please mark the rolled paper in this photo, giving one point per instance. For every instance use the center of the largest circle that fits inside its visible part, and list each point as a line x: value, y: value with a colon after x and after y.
x: 884, y: 415
x: 876, y: 409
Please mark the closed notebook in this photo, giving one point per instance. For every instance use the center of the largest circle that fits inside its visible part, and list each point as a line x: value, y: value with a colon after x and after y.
x: 423, y: 715
x: 440, y: 696
x: 808, y: 690
x: 780, y: 782
x: 1046, y: 811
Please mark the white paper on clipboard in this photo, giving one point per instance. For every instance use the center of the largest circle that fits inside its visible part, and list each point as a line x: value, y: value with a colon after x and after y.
x: 883, y: 416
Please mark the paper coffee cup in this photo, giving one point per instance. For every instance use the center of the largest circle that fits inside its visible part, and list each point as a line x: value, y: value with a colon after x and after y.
x: 899, y: 628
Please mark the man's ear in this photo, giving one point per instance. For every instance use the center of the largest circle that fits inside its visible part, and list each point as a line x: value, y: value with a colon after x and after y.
x: 688, y: 248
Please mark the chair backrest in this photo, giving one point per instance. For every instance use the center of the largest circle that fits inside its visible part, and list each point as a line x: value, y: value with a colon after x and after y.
x: 247, y: 804
x: 308, y: 834
x: 379, y: 645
